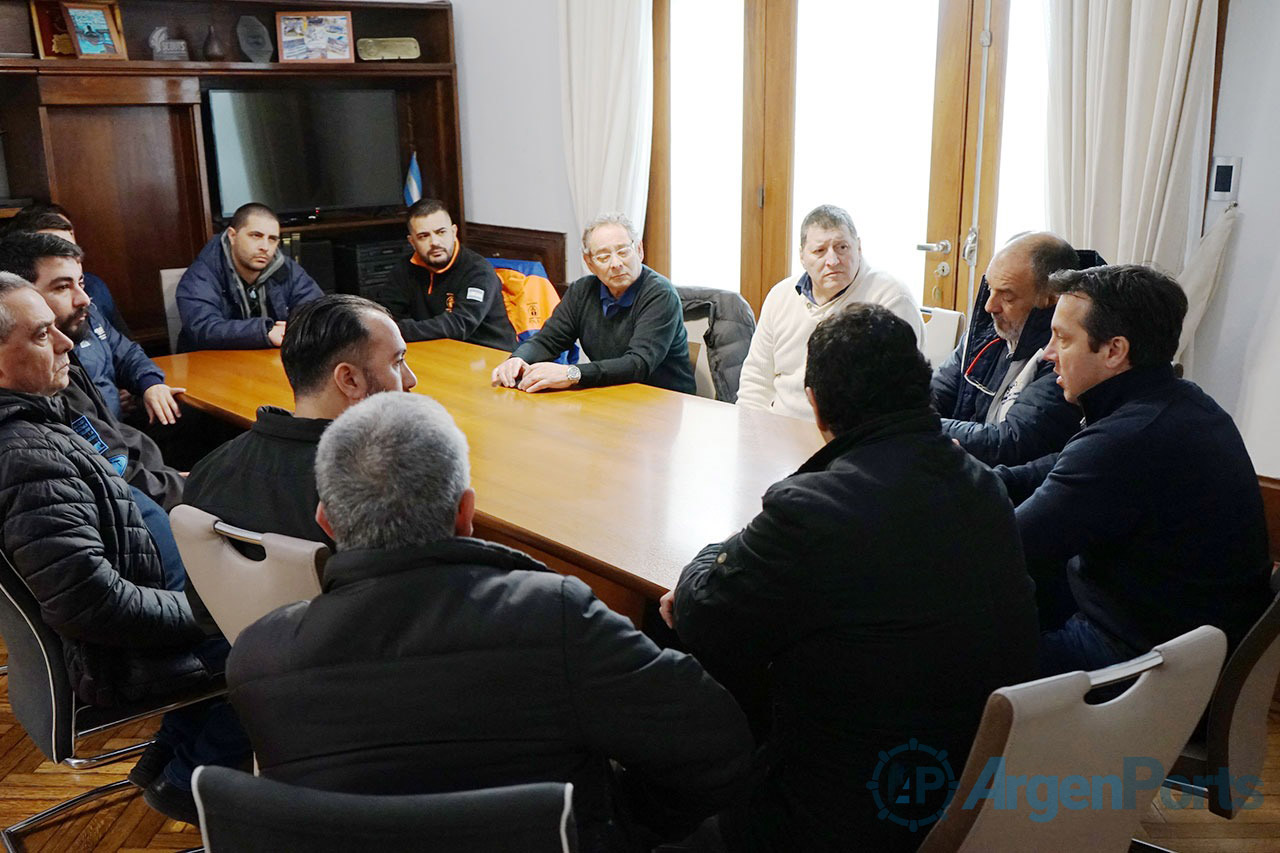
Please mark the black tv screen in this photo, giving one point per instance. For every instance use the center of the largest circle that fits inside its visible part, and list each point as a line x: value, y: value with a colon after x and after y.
x: 301, y: 151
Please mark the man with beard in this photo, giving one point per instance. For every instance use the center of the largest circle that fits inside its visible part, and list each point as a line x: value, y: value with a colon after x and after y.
x: 339, y: 350
x: 111, y: 360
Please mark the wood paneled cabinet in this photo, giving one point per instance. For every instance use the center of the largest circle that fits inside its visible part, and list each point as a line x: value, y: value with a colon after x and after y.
x: 122, y: 144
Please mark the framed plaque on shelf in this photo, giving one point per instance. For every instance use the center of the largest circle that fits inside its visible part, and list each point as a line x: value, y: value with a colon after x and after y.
x: 314, y: 36
x: 52, y: 39
x: 95, y: 30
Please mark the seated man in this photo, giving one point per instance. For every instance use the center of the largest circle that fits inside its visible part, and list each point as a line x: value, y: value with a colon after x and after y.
x: 437, y: 662
x: 445, y: 290
x: 338, y: 350
x: 112, y: 361
x: 835, y: 275
x: 1153, y: 507
x: 627, y: 316
x: 54, y: 263
x: 238, y: 292
x: 54, y: 219
x: 996, y: 393
x: 74, y: 534
x: 884, y: 586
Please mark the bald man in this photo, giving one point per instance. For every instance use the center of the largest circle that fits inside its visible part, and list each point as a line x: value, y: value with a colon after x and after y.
x: 996, y: 394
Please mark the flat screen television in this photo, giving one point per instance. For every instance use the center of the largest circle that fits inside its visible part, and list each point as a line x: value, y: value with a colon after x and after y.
x: 305, y: 151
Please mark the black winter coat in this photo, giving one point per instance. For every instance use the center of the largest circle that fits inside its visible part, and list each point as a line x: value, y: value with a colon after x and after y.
x: 1154, y: 508
x: 463, y: 664
x: 75, y: 536
x: 884, y: 584
x: 1038, y: 422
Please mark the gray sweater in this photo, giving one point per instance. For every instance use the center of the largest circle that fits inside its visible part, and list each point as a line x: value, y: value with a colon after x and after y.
x: 645, y: 342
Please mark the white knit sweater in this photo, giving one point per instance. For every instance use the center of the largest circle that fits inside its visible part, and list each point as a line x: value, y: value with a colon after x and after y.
x: 773, y: 373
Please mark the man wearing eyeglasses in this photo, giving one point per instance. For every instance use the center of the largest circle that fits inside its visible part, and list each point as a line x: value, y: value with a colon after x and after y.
x: 996, y: 393
x: 627, y: 317
x: 835, y: 276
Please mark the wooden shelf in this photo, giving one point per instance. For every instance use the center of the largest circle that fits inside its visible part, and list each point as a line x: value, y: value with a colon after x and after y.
x: 150, y: 67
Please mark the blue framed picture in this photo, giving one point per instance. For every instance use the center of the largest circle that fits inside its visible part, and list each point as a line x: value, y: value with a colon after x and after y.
x: 94, y: 31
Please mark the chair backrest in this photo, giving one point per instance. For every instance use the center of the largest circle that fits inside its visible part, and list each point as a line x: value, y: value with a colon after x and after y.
x: 244, y: 813
x: 40, y: 691
x: 719, y: 325
x: 169, y: 289
x: 700, y: 355
x: 942, y: 329
x: 238, y: 590
x: 1236, y: 736
x: 1074, y: 758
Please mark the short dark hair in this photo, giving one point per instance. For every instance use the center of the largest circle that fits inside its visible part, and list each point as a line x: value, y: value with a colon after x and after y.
x: 253, y: 208
x: 26, y: 218
x: 425, y: 207
x: 1131, y: 301
x: 21, y: 251
x: 322, y: 333
x: 864, y: 362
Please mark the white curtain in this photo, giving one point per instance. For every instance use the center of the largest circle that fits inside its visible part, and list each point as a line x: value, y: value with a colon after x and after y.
x: 607, y: 84
x: 1199, y: 279
x: 1130, y: 106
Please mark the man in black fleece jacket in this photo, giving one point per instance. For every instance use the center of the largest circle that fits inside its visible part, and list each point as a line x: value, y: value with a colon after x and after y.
x: 628, y: 317
x: 1153, y: 507
x: 445, y: 290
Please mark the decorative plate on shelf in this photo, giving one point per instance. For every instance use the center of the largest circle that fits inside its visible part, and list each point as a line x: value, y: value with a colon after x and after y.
x: 255, y: 39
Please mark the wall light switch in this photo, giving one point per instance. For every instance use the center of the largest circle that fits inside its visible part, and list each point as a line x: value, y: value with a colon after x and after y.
x: 1224, y: 180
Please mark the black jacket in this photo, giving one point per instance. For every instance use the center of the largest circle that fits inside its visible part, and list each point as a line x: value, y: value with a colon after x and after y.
x: 144, y: 467
x: 463, y: 302
x: 1038, y: 422
x: 884, y: 584
x: 1156, y: 506
x: 74, y: 534
x: 263, y: 480
x: 730, y: 325
x: 464, y: 664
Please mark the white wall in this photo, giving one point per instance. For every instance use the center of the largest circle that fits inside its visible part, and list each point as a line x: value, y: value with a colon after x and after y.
x: 1236, y: 357
x: 513, y: 167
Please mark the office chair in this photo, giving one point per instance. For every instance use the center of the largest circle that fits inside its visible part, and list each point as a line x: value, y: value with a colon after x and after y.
x: 45, y: 705
x: 1045, y: 729
x: 248, y: 814
x: 1234, y: 745
x: 237, y: 589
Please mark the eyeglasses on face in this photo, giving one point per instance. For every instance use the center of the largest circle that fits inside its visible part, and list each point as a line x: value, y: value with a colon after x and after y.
x: 623, y: 253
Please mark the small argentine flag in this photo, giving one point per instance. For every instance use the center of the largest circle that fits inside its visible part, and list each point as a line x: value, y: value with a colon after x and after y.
x: 413, y: 182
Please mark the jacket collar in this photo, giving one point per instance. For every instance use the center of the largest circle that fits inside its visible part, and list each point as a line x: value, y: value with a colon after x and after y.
x: 31, y: 407
x: 912, y: 420
x: 281, y: 423
x: 1108, y: 395
x: 348, y: 567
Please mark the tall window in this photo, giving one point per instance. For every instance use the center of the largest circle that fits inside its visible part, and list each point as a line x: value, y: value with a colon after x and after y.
x: 706, y: 143
x: 1021, y: 204
x: 864, y: 122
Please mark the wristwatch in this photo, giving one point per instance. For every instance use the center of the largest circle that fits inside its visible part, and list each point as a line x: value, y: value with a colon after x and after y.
x: 573, y: 374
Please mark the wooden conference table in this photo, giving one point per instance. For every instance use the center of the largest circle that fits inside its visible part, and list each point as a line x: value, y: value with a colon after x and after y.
x: 620, y: 486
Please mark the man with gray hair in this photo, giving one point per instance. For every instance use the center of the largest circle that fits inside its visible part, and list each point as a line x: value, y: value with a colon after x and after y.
x: 835, y: 275
x: 628, y: 318
x: 437, y: 662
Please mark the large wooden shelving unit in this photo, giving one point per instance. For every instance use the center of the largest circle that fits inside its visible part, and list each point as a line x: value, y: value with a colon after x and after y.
x: 121, y: 143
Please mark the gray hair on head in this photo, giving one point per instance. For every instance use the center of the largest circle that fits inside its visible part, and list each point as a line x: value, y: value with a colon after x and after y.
x: 9, y: 283
x: 390, y: 472
x: 827, y: 216
x: 614, y: 218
